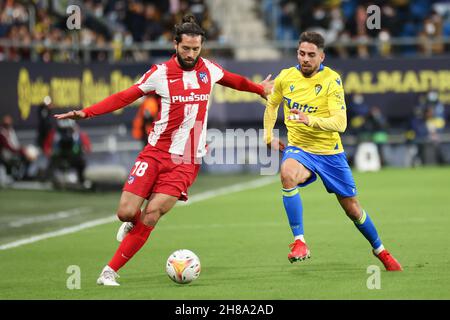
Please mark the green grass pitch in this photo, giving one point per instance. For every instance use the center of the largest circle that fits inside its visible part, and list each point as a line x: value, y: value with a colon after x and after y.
x: 242, y: 240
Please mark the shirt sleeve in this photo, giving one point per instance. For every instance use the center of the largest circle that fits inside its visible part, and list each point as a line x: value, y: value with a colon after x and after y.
x: 114, y: 102
x: 215, y: 70
x: 238, y: 82
x: 147, y: 83
x: 271, y: 112
x: 337, y: 121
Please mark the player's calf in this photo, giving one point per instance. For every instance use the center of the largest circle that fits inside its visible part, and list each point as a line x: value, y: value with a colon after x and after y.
x: 152, y: 217
x: 158, y: 205
x: 351, y: 207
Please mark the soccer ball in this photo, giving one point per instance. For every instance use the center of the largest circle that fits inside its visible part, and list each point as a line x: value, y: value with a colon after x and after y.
x: 183, y: 266
x: 31, y: 152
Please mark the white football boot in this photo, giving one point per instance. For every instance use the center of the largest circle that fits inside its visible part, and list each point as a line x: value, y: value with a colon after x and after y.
x: 108, y: 277
x: 123, y: 230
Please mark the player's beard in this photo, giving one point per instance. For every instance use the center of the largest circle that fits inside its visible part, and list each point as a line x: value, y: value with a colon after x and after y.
x: 307, y: 73
x: 186, y: 64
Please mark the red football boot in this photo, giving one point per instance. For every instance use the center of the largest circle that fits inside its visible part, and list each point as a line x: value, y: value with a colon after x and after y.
x: 299, y: 251
x: 389, y: 262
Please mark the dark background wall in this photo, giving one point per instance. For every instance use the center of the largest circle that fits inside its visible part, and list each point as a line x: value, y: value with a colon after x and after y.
x: 392, y: 84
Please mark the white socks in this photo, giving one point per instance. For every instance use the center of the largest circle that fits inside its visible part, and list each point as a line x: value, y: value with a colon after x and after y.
x: 378, y: 250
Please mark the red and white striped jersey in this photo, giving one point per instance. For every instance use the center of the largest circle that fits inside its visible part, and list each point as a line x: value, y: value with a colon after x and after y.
x: 184, y: 98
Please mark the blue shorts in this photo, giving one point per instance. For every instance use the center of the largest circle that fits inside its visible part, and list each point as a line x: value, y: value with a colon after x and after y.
x: 333, y: 169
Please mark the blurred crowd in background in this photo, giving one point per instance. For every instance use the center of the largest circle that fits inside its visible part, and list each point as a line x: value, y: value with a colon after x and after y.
x: 119, y: 24
x: 116, y: 23
x: 424, y: 128
x: 342, y: 21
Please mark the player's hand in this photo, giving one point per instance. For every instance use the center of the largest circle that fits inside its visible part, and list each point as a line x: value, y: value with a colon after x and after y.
x: 268, y: 86
x: 298, y: 116
x: 277, y: 144
x: 74, y: 115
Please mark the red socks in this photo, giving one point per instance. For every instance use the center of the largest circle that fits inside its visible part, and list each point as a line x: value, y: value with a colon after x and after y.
x: 137, y: 217
x: 131, y: 244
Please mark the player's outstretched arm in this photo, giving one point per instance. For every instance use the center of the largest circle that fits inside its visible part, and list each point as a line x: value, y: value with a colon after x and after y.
x: 238, y: 82
x: 74, y: 115
x: 267, y: 85
x: 112, y: 103
x: 271, y: 113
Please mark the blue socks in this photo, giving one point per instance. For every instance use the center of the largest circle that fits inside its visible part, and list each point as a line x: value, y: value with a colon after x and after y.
x: 294, y: 210
x: 367, y: 228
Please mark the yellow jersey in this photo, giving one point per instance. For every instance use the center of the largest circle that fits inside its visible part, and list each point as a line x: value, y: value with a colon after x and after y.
x: 321, y: 98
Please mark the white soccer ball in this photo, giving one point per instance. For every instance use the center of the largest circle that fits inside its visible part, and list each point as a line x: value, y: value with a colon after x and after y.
x: 31, y: 152
x: 183, y: 266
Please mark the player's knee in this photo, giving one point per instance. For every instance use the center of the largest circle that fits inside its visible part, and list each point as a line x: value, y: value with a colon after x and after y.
x: 292, y: 177
x: 288, y: 178
x: 126, y: 213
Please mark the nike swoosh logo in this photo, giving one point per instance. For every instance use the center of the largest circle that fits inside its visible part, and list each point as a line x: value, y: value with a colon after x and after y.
x: 172, y: 81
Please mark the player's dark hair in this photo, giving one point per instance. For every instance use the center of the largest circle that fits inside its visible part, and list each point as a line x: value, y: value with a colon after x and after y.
x: 189, y: 27
x: 312, y: 37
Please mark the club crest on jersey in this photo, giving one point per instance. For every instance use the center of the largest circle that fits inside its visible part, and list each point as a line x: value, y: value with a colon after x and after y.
x: 338, y: 81
x: 130, y: 179
x: 317, y: 88
x: 291, y: 87
x: 203, y: 77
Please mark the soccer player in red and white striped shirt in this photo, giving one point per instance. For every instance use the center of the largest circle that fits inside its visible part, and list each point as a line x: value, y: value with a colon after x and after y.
x: 167, y: 166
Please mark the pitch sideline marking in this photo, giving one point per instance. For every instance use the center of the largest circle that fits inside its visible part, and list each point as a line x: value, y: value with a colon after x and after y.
x: 49, y: 217
x: 194, y: 199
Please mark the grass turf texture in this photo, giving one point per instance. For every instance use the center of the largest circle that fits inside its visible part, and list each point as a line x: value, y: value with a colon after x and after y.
x: 242, y: 241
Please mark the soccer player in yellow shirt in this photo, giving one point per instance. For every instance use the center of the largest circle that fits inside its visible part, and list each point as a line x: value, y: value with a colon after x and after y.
x: 315, y: 113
